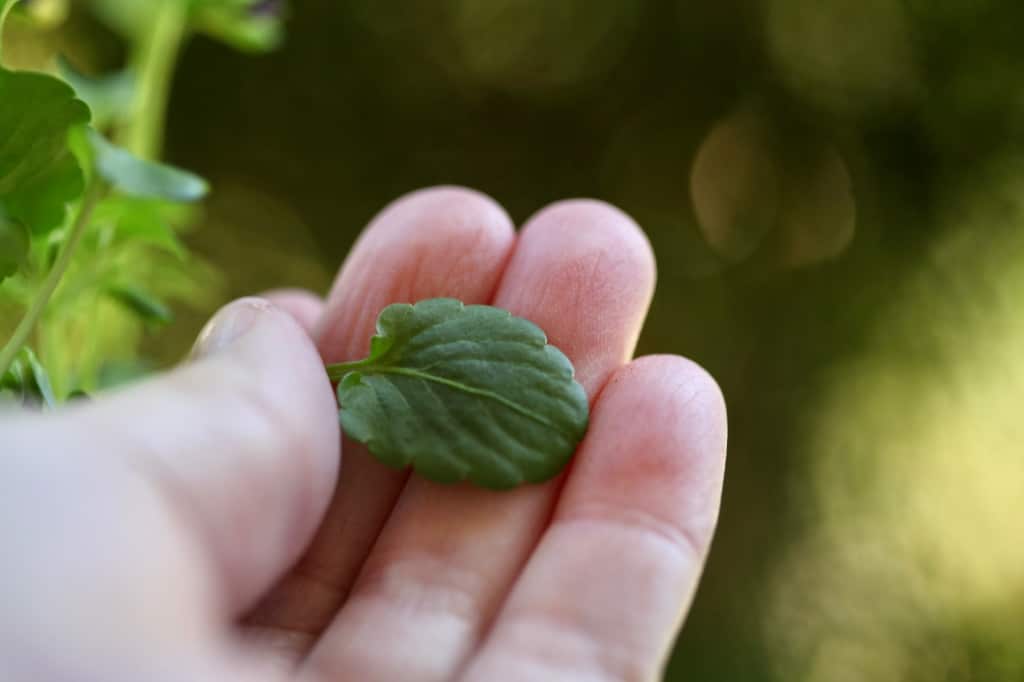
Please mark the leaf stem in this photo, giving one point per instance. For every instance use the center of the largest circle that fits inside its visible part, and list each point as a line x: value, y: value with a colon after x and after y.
x: 156, y: 54
x: 337, y: 371
x: 5, y: 8
x: 24, y: 329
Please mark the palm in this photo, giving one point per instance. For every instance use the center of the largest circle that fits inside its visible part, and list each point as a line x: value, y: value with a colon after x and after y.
x: 586, y: 577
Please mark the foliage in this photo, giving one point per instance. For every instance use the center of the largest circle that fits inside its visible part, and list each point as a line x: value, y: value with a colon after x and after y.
x: 463, y: 392
x: 85, y: 283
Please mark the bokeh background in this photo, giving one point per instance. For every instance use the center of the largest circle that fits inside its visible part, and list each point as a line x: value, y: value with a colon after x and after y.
x: 835, y: 193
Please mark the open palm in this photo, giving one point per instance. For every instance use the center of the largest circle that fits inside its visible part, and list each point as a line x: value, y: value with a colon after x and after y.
x: 247, y: 554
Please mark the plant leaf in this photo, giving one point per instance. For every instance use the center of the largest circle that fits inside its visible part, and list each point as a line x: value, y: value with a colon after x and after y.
x: 28, y: 381
x: 146, y: 221
x: 142, y: 303
x: 38, y: 174
x: 128, y: 17
x: 463, y: 392
x: 110, y: 97
x: 139, y: 178
x: 15, y: 242
x: 247, y: 25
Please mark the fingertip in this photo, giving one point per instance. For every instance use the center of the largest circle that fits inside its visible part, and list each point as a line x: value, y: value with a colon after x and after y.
x: 681, y: 387
x: 439, y: 217
x: 584, y: 272
x: 661, y: 422
x: 303, y: 305
x: 442, y: 241
x: 599, y: 225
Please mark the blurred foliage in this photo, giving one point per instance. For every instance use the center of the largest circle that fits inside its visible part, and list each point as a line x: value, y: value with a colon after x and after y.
x: 82, y: 285
x: 832, y: 189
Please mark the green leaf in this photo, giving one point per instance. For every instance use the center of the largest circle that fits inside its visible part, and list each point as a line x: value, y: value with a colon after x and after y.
x: 146, y: 221
x: 29, y: 381
x: 110, y: 97
x: 15, y: 241
x: 46, y: 13
x: 138, y: 178
x: 5, y: 8
x: 463, y: 392
x: 128, y: 17
x: 142, y: 303
x: 247, y: 25
x: 38, y: 174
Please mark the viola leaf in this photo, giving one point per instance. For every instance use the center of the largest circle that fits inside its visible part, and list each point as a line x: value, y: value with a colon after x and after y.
x: 110, y: 97
x: 5, y: 9
x: 15, y: 242
x: 40, y: 378
x: 463, y: 392
x: 145, y: 221
x: 28, y: 381
x: 247, y: 25
x: 142, y: 303
x: 39, y: 175
x: 128, y: 17
x: 139, y: 178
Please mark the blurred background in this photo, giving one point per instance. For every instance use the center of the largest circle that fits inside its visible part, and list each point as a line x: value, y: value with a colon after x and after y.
x: 835, y: 193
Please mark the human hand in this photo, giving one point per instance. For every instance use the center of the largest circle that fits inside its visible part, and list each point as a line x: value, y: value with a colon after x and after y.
x: 198, y: 527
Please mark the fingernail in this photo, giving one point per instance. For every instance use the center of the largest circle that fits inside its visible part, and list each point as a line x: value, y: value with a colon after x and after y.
x: 229, y: 325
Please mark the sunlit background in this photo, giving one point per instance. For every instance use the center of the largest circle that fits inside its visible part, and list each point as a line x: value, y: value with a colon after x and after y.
x: 835, y: 193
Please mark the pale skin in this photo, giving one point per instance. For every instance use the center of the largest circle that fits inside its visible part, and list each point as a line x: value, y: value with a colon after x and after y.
x: 212, y: 525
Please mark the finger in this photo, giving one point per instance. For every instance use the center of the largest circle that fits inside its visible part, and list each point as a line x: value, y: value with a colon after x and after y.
x: 437, y: 242
x: 306, y: 307
x: 605, y: 592
x: 144, y: 522
x: 584, y: 272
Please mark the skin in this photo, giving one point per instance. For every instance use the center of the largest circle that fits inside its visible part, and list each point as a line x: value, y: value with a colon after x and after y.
x: 211, y: 524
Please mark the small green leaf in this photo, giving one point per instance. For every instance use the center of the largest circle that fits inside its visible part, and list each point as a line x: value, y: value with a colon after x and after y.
x: 142, y: 303
x: 110, y: 97
x: 146, y: 221
x: 247, y: 25
x: 29, y: 381
x: 46, y: 13
x: 128, y: 17
x: 38, y: 174
x: 463, y: 392
x: 138, y: 178
x: 5, y: 9
x: 15, y: 241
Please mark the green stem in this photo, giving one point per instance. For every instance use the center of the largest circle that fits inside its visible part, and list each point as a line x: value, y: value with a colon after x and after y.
x: 156, y: 54
x: 28, y: 323
x: 337, y: 371
x: 5, y: 8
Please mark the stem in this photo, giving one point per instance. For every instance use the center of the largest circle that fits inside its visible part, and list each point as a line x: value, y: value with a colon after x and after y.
x: 156, y: 54
x: 38, y: 306
x: 337, y: 371
x: 5, y: 8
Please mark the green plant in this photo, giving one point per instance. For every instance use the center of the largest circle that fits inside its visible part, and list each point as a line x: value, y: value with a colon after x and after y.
x: 457, y: 392
x: 90, y: 222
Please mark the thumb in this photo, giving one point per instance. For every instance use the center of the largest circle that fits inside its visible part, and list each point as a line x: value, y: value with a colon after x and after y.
x: 243, y: 440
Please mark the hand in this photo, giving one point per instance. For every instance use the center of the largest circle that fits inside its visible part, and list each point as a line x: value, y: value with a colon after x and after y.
x: 197, y: 528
